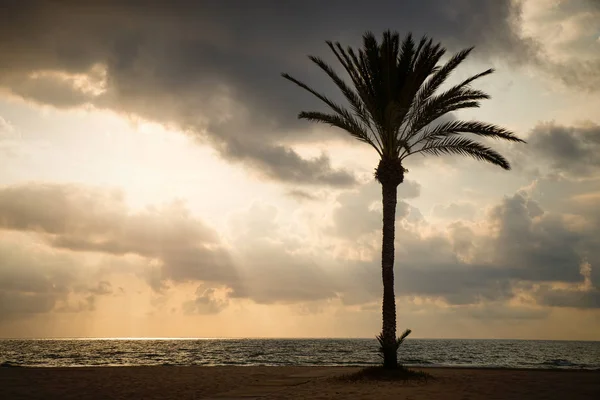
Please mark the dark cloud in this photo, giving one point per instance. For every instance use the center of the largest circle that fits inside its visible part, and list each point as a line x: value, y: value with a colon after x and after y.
x: 213, y: 69
x: 567, y: 149
x: 569, y: 298
x: 279, y: 162
x: 534, y: 246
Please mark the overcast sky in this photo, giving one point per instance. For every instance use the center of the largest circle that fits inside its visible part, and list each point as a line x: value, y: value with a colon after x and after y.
x: 155, y: 181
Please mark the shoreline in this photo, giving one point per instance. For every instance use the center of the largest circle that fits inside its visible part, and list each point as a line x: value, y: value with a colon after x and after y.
x: 301, y: 382
x: 10, y: 365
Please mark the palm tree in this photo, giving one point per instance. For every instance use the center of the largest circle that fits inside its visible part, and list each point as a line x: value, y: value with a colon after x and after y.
x: 393, y: 103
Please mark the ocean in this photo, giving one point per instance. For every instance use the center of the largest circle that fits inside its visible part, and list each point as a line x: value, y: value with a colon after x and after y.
x: 307, y: 352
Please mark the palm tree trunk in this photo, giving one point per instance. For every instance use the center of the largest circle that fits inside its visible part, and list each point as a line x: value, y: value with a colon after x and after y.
x: 390, y: 356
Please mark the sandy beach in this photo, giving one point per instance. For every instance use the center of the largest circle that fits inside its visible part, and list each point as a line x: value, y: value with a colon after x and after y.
x: 289, y: 383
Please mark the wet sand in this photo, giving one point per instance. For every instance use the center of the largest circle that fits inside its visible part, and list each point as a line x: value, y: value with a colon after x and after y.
x: 289, y: 383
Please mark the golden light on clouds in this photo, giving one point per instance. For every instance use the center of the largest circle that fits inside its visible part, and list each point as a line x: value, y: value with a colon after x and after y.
x: 154, y: 182
x: 92, y: 83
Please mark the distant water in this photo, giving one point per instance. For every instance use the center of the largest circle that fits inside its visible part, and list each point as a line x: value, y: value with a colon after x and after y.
x: 317, y: 352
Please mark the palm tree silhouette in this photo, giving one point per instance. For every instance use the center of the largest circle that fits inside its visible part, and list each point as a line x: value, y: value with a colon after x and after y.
x: 393, y: 103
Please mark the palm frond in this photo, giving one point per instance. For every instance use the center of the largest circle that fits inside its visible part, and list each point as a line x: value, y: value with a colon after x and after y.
x: 393, y: 102
x: 465, y: 147
x: 345, y: 122
x: 352, y: 70
x: 440, y: 76
x: 427, y: 108
x: 403, y: 336
x: 367, y: 91
x: 355, y: 71
x: 483, y: 129
x: 436, y: 106
x: 397, y: 343
x: 422, y: 66
x: 468, y: 81
x: 335, y: 107
x: 351, y: 96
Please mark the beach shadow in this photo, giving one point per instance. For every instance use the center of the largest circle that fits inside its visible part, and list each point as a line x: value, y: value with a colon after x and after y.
x: 379, y: 373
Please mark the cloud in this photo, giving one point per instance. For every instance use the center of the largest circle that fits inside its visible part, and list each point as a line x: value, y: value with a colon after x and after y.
x: 271, y: 273
x: 85, y: 219
x: 281, y: 163
x: 216, y: 75
x: 20, y: 304
x: 569, y: 298
x: 205, y: 302
x: 534, y: 245
x: 276, y: 264
x: 102, y: 288
x: 359, y: 211
x: 37, y: 280
x: 8, y: 136
x: 523, y: 250
x: 6, y: 128
x: 519, y: 252
x: 176, y: 247
x: 566, y: 35
x: 462, y: 210
x: 569, y: 150
x: 518, y: 248
x: 502, y: 312
x: 301, y: 195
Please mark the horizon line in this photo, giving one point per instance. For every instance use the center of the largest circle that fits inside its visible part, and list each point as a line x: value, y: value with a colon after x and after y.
x: 140, y: 338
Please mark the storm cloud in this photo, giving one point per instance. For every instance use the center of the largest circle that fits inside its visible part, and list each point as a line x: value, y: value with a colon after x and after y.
x: 213, y: 70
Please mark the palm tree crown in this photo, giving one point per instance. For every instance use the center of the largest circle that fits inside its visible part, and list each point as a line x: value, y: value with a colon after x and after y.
x: 394, y: 100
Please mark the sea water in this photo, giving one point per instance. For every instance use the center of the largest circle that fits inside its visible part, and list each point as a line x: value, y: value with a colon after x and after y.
x: 306, y: 352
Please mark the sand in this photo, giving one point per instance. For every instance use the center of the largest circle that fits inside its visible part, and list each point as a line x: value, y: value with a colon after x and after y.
x: 289, y: 383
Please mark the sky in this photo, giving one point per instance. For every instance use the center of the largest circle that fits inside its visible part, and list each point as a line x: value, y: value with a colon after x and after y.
x: 155, y: 180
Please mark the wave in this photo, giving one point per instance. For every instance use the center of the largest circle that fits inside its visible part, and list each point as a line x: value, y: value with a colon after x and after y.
x: 425, y: 353
x: 559, y: 362
x: 563, y: 363
x: 415, y: 361
x: 9, y: 364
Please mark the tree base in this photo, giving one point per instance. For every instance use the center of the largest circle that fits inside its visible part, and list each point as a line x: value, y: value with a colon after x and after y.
x: 379, y: 373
